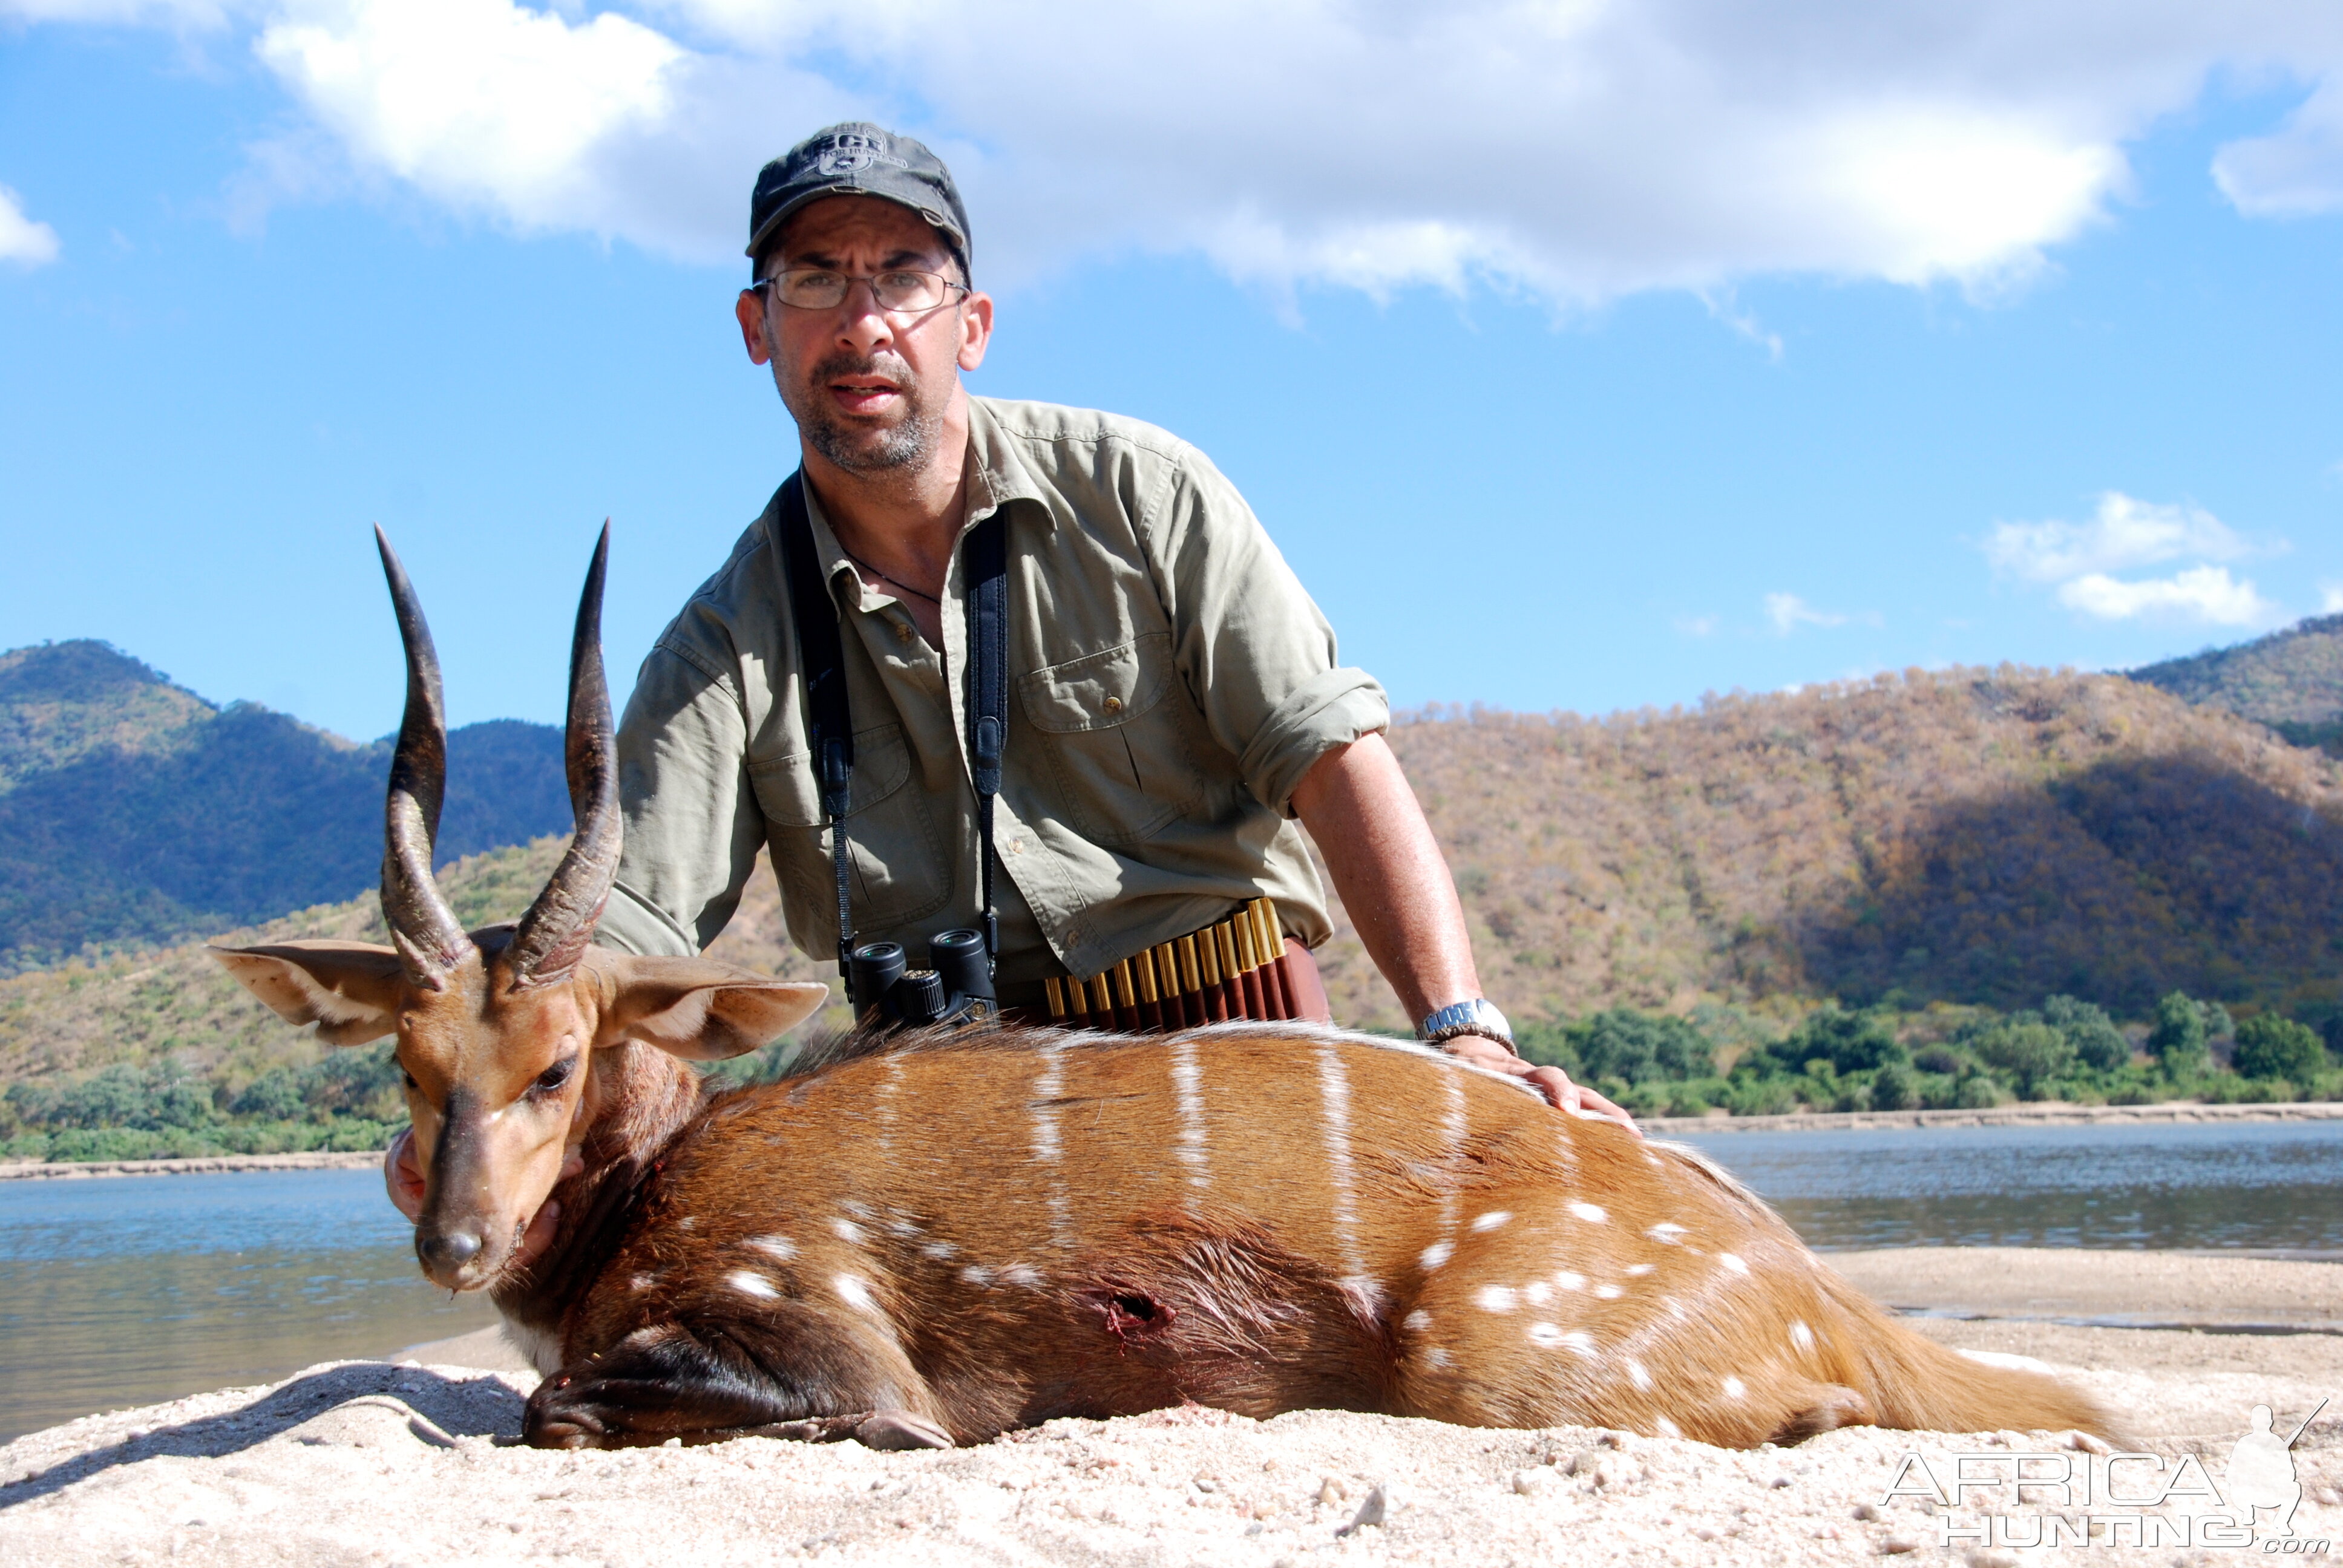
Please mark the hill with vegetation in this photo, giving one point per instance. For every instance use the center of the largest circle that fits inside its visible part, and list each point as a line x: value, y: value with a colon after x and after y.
x: 1932, y: 888
x: 2291, y: 680
x: 134, y: 812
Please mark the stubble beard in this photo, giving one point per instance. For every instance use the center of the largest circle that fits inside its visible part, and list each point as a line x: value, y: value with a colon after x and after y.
x: 862, y: 447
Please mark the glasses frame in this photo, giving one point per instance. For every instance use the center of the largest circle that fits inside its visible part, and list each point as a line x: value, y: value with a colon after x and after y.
x: 763, y: 286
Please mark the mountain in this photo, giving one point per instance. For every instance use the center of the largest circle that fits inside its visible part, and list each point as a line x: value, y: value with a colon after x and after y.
x: 1972, y: 836
x: 1936, y: 842
x: 133, y: 810
x: 2291, y: 680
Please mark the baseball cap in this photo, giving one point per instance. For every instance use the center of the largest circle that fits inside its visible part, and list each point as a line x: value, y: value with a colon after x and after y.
x: 858, y: 158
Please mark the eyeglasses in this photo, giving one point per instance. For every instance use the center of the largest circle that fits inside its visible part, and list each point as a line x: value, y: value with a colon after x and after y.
x: 819, y: 288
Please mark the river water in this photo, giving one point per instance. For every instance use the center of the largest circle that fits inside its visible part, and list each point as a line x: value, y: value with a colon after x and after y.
x: 120, y: 1291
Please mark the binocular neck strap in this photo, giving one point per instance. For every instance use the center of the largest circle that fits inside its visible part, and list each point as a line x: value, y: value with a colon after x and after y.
x: 830, y: 726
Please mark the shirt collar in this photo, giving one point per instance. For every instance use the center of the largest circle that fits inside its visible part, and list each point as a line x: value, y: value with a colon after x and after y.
x: 997, y: 469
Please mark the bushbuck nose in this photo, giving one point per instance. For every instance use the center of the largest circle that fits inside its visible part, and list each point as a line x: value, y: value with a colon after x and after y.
x: 449, y: 1249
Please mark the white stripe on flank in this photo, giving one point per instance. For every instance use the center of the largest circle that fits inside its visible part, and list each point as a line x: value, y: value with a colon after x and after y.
x: 883, y: 1110
x: 1334, y: 1090
x: 1047, y: 1148
x: 1188, y: 1094
x: 1454, y: 1127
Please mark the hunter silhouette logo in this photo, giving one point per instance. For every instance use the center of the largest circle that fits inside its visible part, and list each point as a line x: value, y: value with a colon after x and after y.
x: 2014, y: 1500
x: 2262, y: 1470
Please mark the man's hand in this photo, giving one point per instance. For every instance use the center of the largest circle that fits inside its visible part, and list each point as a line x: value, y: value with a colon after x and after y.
x: 1551, y: 1082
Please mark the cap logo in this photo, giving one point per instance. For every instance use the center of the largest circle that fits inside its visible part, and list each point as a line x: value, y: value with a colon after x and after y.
x: 852, y: 152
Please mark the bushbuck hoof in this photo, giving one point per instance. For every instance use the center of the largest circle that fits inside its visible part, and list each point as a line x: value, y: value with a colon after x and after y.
x: 899, y: 1429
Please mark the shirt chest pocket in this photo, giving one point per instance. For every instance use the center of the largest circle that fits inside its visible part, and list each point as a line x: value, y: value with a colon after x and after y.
x: 1120, y: 737
x: 898, y: 858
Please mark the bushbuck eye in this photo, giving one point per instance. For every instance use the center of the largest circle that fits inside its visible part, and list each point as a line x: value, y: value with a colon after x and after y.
x: 554, y: 1077
x: 410, y: 1078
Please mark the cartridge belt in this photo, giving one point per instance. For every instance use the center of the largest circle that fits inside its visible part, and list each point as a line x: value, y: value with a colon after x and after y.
x: 1236, y: 968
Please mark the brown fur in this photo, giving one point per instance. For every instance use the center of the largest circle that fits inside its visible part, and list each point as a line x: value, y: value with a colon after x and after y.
x: 988, y: 1231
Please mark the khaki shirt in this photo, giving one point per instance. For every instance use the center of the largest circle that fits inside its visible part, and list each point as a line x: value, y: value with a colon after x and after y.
x: 1170, y: 684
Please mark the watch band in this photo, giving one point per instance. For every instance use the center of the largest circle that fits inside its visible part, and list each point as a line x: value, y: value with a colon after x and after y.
x: 1477, y: 1016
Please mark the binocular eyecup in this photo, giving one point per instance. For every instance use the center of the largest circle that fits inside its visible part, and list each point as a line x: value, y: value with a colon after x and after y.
x: 958, y: 989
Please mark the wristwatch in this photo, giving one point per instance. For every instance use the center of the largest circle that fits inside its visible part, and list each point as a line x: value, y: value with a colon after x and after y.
x: 1478, y: 1016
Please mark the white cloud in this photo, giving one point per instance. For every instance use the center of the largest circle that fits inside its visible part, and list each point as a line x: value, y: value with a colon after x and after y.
x: 2330, y: 598
x: 486, y: 105
x: 1573, y: 149
x: 1788, y: 612
x: 2125, y: 534
x: 2206, y: 594
x: 1697, y: 625
x: 21, y: 240
x: 2294, y: 172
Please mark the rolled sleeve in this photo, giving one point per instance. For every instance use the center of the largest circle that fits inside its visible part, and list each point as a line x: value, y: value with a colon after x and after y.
x: 1331, y: 709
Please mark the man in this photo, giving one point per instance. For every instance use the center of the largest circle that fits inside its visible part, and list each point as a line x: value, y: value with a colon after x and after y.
x: 1176, y: 702
x: 1174, y: 699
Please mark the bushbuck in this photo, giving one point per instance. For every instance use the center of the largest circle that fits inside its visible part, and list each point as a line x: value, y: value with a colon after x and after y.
x: 933, y: 1237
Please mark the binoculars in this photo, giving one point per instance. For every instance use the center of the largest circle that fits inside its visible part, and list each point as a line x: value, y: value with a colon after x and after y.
x: 890, y: 994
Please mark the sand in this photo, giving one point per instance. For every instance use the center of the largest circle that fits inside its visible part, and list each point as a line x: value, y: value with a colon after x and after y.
x: 381, y: 1463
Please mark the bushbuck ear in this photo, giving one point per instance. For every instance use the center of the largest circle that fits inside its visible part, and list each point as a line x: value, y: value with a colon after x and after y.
x: 350, y: 991
x: 699, y: 1009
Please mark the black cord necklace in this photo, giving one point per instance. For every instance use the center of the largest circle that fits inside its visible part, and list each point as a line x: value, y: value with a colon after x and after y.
x: 891, y: 582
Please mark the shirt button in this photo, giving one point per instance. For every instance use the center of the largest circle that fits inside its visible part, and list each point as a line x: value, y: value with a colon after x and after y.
x: 903, y: 631
x: 1074, y: 937
x: 1114, y: 705
x: 1016, y: 846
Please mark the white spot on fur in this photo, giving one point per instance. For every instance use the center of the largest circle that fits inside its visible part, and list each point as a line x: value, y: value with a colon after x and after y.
x: 1735, y: 1389
x: 1435, y: 1255
x: 1802, y: 1337
x: 1665, y: 1427
x: 641, y: 1282
x: 1637, y: 1271
x: 854, y: 1293
x: 1416, y: 1322
x: 780, y: 1247
x: 1545, y: 1335
x: 1024, y: 1274
x: 1435, y: 1358
x: 2007, y: 1363
x: 1582, y: 1342
x: 1537, y: 1292
x: 1495, y: 1299
x: 1567, y: 1281
x: 977, y: 1274
x: 938, y: 1249
x: 1366, y: 1299
x: 1590, y: 1212
x: 1666, y: 1232
x: 1609, y: 1292
x: 687, y: 1223
x: 1492, y: 1219
x: 902, y: 1228
x: 847, y: 1232
x: 856, y: 1207
x: 749, y: 1284
x: 1732, y: 1262
x: 1636, y: 1374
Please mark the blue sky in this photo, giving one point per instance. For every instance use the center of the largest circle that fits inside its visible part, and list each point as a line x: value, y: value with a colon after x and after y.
x: 2006, y: 337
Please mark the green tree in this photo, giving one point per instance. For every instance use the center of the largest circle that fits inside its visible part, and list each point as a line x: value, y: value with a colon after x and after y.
x: 2097, y: 1043
x: 2034, y: 1055
x: 2269, y: 1046
x: 2177, y: 1038
x: 1849, y: 1042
